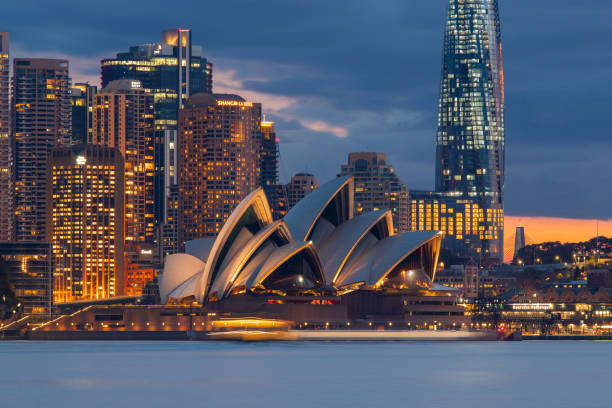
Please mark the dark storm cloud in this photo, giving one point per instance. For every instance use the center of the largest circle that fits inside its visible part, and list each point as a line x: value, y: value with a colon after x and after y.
x: 341, y: 76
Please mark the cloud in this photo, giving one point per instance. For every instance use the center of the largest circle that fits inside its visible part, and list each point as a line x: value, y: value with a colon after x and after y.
x: 282, y: 106
x: 348, y: 76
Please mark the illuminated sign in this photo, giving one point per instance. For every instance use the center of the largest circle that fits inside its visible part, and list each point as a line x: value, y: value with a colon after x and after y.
x: 135, y: 84
x: 146, y: 252
x: 532, y: 306
x: 81, y: 160
x: 234, y: 103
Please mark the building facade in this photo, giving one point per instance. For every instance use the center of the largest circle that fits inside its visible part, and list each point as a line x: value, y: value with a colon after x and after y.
x: 282, y: 197
x: 156, y: 66
x: 82, y: 100
x: 377, y: 187
x: 269, y: 155
x: 299, y: 187
x: 123, y: 119
x: 218, y: 161
x: 30, y: 271
x: 42, y: 120
x: 85, y: 222
x: 470, y: 145
x: 464, y: 223
x: 7, y: 227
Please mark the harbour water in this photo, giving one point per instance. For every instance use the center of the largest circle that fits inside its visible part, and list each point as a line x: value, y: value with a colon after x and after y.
x: 305, y: 374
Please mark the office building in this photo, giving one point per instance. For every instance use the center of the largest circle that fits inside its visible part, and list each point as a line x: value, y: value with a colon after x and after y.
x: 141, y: 264
x: 7, y: 226
x: 30, y: 273
x: 42, y: 120
x: 123, y: 119
x: 377, y: 187
x: 282, y: 197
x: 156, y: 65
x: 464, y: 223
x: 269, y: 154
x: 82, y: 100
x: 85, y: 222
x: 218, y: 161
x: 470, y: 145
x: 299, y: 187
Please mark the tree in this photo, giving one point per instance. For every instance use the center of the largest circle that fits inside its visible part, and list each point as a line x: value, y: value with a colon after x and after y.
x: 8, y: 300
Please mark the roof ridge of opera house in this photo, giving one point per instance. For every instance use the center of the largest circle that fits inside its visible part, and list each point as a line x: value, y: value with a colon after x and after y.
x: 319, y: 249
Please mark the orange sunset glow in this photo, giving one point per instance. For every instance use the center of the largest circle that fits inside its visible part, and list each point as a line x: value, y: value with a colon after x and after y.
x: 543, y: 229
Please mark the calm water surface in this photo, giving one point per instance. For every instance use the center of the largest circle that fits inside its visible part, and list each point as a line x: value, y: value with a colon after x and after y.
x: 390, y: 374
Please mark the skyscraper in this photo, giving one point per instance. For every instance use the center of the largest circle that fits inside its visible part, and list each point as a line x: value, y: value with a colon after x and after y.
x: 82, y: 99
x: 123, y: 118
x: 268, y: 155
x: 156, y: 66
x: 519, y: 240
x: 218, y: 161
x: 377, y: 187
x: 6, y: 149
x: 42, y: 119
x: 470, y: 139
x: 85, y: 222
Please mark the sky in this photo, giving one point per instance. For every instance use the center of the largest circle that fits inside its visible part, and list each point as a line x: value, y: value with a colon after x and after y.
x: 339, y: 76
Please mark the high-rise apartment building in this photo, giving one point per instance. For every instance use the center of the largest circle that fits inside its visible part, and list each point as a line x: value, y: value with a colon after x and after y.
x: 82, y: 99
x: 470, y: 139
x: 123, y: 118
x: 218, y: 161
x: 377, y: 187
x: 42, y: 120
x: 30, y: 269
x: 7, y: 226
x: 85, y: 222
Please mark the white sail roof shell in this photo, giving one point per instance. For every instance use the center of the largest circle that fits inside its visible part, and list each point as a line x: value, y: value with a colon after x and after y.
x: 302, y: 218
x: 228, y: 274
x: 259, y: 203
x: 179, y: 268
x: 337, y: 248
x: 279, y: 257
x: 375, y: 263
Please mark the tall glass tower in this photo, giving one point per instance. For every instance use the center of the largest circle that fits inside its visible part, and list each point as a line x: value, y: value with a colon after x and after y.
x: 470, y: 139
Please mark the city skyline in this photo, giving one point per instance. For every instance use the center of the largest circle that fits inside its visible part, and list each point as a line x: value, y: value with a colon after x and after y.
x: 324, y: 88
x: 269, y: 188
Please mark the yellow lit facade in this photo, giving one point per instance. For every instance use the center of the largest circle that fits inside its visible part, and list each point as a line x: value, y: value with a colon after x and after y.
x: 465, y: 224
x: 218, y: 161
x: 85, y: 222
x: 123, y: 118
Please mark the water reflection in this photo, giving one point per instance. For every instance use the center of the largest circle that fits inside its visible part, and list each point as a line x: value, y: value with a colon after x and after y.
x: 310, y: 374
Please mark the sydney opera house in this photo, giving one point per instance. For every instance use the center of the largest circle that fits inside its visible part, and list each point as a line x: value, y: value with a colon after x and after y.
x: 317, y: 264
